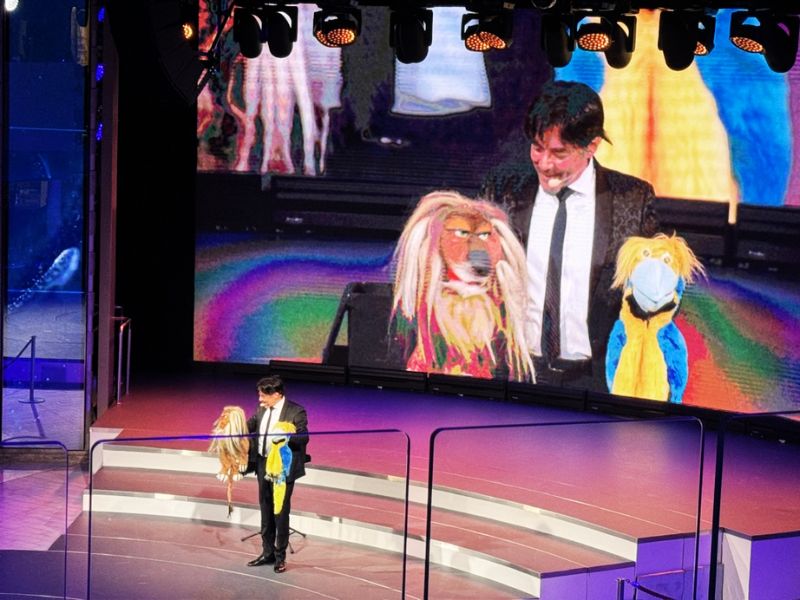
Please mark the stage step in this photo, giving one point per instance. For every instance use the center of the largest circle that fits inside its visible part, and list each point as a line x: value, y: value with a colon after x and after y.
x: 531, y: 549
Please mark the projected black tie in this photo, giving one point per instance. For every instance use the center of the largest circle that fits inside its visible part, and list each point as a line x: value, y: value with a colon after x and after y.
x: 266, y: 434
x: 551, y: 332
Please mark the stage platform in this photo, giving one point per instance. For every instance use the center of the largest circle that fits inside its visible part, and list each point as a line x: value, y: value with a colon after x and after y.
x: 527, y: 501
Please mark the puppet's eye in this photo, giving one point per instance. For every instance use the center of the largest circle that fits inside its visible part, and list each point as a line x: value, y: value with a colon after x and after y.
x: 646, y: 253
x: 667, y: 259
x: 483, y: 235
x: 461, y: 233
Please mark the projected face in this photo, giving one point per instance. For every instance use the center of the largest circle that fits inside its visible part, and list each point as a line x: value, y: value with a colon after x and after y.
x: 558, y: 163
x: 469, y: 248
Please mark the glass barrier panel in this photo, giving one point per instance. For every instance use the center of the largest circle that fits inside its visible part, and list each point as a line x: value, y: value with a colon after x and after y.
x: 758, y: 513
x: 563, y: 510
x: 34, y: 502
x: 44, y: 283
x: 156, y: 511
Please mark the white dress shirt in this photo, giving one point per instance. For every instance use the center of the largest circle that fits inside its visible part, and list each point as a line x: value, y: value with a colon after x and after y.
x: 262, y: 428
x: 576, y: 266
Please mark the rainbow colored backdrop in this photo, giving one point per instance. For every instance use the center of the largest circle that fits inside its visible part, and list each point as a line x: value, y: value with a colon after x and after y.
x: 258, y: 299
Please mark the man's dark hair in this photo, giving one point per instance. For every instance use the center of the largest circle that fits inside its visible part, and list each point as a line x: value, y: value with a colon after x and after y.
x: 571, y: 106
x: 270, y: 384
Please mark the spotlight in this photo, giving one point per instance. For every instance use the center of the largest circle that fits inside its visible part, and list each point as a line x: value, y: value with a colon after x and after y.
x: 682, y: 35
x: 482, y: 33
x: 558, y: 40
x: 410, y: 34
x: 614, y: 35
x: 247, y: 33
x: 775, y: 37
x: 339, y: 27
x: 279, y: 29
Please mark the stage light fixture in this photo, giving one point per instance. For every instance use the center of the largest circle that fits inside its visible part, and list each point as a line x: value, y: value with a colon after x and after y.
x: 337, y: 27
x: 247, y: 33
x: 614, y: 35
x: 484, y: 32
x: 557, y: 38
x: 410, y: 34
x: 279, y: 29
x: 682, y: 35
x: 775, y: 36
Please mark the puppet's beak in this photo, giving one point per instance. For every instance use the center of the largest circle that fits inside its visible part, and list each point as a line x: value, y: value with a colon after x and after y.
x: 653, y: 284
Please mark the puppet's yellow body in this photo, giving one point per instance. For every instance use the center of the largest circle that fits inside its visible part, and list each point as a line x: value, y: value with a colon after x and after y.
x: 279, y: 461
x: 642, y: 370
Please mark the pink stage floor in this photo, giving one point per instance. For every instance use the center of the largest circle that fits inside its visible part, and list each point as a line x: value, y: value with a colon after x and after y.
x: 618, y: 481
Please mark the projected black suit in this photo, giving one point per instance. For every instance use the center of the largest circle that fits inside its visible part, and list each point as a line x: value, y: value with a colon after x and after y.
x: 623, y: 207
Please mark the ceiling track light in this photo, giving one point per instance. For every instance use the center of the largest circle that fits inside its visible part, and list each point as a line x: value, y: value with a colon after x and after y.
x: 682, y: 35
x: 274, y: 24
x: 279, y: 29
x: 247, y: 32
x: 775, y: 36
x: 337, y: 27
x: 411, y: 33
x: 557, y: 38
x: 484, y: 32
x: 614, y: 35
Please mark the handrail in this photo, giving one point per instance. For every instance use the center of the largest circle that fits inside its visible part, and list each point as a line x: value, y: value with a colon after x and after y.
x: 125, y: 324
x: 638, y: 587
x: 31, y: 379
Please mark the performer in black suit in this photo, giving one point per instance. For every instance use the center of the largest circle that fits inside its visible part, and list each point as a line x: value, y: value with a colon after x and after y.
x: 274, y: 407
x: 572, y: 215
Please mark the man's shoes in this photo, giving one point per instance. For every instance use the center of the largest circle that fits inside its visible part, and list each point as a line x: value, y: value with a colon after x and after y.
x: 262, y: 560
x: 280, y: 566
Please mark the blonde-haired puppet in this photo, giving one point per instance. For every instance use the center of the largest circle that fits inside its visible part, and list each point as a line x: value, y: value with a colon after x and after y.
x: 646, y: 355
x: 232, y: 447
x: 460, y: 290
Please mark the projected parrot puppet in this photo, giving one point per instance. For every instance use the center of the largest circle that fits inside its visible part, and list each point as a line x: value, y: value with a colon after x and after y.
x: 279, y: 461
x: 646, y: 355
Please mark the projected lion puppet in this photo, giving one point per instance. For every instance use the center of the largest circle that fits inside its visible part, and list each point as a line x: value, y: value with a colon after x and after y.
x: 460, y: 290
x: 646, y: 355
x: 232, y: 450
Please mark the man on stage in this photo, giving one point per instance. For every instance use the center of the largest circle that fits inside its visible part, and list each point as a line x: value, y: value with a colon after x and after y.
x: 274, y: 408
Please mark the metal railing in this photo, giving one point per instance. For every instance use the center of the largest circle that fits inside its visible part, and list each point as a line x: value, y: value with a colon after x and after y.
x: 32, y: 401
x: 125, y: 326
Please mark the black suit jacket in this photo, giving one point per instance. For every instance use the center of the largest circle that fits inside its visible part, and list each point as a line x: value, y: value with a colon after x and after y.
x: 623, y: 207
x: 296, y: 414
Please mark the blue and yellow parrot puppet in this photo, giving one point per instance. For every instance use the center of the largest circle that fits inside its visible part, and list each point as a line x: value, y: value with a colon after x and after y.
x: 279, y: 462
x: 646, y: 356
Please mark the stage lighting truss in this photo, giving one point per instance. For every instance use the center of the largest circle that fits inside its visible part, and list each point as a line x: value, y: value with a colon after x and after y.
x: 682, y: 35
x: 613, y: 34
x: 768, y: 33
x: 484, y: 32
x: 337, y: 27
x: 411, y: 33
x: 255, y: 24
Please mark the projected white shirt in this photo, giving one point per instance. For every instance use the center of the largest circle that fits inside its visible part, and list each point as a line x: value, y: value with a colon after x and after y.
x: 576, y: 266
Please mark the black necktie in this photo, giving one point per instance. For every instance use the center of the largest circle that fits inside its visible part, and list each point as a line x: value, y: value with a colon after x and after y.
x: 551, y: 318
x: 266, y: 434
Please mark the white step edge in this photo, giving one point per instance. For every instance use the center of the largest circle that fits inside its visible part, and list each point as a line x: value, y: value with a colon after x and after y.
x: 468, y: 503
x: 334, y: 528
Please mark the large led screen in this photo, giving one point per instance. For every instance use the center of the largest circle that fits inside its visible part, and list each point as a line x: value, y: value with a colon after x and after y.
x: 310, y: 165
